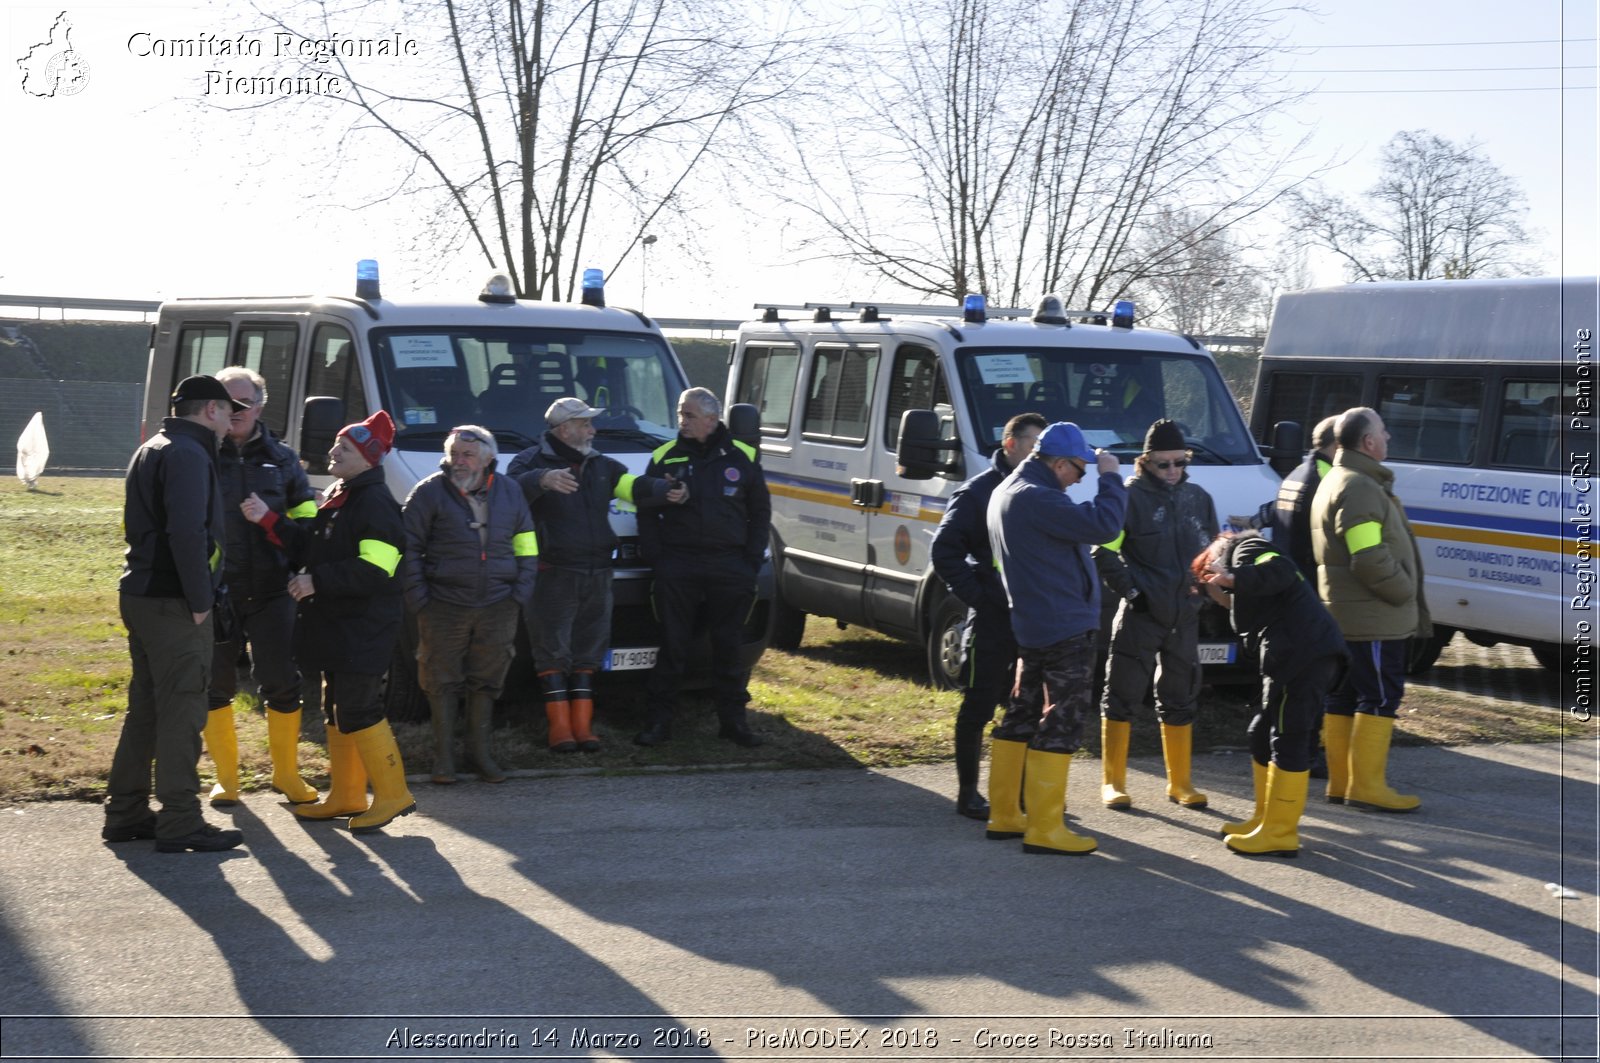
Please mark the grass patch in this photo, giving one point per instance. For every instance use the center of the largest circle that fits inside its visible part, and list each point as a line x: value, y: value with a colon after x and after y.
x: 846, y: 697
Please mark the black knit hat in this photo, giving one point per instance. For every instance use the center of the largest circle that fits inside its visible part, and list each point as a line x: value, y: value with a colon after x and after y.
x: 1164, y: 435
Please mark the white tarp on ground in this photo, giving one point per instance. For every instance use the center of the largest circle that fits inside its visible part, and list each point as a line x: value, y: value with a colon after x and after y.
x: 33, y: 451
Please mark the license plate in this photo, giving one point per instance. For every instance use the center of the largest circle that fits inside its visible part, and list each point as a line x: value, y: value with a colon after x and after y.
x: 630, y: 660
x: 1219, y: 652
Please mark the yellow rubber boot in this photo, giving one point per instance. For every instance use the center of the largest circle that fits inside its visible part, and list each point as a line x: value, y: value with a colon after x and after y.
x: 1336, y: 743
x: 283, y: 740
x: 1006, y: 761
x: 380, y: 755
x: 1260, y: 773
x: 1177, y: 744
x: 1369, y: 762
x: 1045, y: 777
x: 222, y: 742
x: 1114, y: 763
x: 347, y: 781
x: 1278, y: 833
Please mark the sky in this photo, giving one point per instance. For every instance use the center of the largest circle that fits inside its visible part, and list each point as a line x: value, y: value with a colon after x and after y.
x: 125, y: 189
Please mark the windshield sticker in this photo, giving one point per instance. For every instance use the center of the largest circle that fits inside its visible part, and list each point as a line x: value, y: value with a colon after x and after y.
x: 420, y: 415
x: 420, y: 352
x: 1004, y: 369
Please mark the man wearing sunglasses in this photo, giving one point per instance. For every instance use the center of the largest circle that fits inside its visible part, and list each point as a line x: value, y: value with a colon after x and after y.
x: 1155, y: 639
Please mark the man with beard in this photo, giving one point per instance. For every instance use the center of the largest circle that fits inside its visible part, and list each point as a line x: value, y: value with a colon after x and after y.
x: 569, y: 487
x: 470, y: 559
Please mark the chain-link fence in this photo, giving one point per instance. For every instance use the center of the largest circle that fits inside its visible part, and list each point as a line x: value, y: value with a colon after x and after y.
x: 91, y: 425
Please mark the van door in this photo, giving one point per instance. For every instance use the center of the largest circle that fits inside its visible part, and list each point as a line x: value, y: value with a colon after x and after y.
x: 901, y: 526
x: 821, y: 500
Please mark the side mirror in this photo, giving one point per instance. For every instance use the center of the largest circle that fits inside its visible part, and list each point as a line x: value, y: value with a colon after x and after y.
x: 921, y: 449
x: 1288, y: 447
x: 319, y: 426
x: 744, y: 424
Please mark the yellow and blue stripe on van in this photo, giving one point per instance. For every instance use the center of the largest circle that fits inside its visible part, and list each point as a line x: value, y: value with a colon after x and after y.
x: 928, y: 508
x: 1487, y: 529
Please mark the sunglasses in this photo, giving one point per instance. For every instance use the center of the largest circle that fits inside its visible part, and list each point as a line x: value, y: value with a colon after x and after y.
x: 1180, y: 463
x: 464, y: 436
x: 1081, y: 466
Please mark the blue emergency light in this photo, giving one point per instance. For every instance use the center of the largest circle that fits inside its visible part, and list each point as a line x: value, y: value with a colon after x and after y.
x: 1122, y: 314
x: 367, y: 279
x: 974, y: 308
x: 594, y: 287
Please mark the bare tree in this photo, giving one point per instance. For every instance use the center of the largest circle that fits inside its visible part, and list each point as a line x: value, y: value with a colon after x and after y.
x: 531, y: 131
x: 1439, y: 210
x: 1015, y: 147
x: 1197, y: 280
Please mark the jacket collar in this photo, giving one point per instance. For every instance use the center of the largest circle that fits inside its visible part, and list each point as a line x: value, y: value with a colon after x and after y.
x: 182, y: 426
x: 561, y: 451
x: 1034, y: 471
x: 1356, y: 461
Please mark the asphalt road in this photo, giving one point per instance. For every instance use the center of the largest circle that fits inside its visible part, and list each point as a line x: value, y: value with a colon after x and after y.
x: 822, y: 915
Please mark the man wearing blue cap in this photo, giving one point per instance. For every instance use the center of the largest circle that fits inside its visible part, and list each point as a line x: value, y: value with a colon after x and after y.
x: 1041, y: 541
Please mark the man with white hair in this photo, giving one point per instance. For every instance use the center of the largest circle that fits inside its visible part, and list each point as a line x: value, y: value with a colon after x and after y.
x: 707, y: 554
x: 569, y: 487
x: 470, y: 559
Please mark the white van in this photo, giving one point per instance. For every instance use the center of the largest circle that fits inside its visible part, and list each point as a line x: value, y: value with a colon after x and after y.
x: 871, y: 415
x: 492, y: 360
x: 1485, y: 386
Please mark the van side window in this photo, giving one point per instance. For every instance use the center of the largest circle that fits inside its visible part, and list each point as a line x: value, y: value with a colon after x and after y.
x: 332, y: 370
x: 1307, y: 398
x: 915, y: 383
x: 269, y: 350
x: 1530, y: 423
x: 1432, y: 419
x: 767, y: 382
x: 202, y: 349
x: 838, y: 401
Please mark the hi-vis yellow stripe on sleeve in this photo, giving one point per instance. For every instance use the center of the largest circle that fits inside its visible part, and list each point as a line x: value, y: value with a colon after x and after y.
x: 624, y: 489
x: 377, y: 552
x: 1363, y: 536
x: 1266, y: 556
x: 1115, y: 545
x: 306, y: 509
x: 525, y: 544
x: 215, y: 560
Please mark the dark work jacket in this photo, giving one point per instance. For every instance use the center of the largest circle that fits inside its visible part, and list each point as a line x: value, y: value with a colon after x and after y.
x: 1167, y: 525
x: 270, y: 469
x: 575, y: 530
x: 352, y: 553
x: 1291, y: 513
x: 447, y: 560
x: 960, y: 551
x: 1276, y: 608
x: 728, y: 511
x: 172, y: 517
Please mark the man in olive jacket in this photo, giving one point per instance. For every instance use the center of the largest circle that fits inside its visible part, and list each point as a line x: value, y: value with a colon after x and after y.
x: 1370, y: 577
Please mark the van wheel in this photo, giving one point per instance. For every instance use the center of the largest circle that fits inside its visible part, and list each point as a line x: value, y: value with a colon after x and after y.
x: 1547, y: 654
x: 1422, y: 653
x: 945, y: 635
x: 403, y: 699
x: 788, y: 624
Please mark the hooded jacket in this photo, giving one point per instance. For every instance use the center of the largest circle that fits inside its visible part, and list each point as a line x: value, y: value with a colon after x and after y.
x: 1369, y: 568
x: 1041, y: 539
x: 449, y: 559
x: 1167, y: 525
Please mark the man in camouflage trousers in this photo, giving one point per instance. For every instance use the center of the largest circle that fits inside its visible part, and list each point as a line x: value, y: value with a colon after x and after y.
x: 1041, y: 539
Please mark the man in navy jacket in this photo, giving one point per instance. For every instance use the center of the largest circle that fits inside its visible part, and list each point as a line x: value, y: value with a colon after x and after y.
x: 963, y: 559
x: 1041, y: 539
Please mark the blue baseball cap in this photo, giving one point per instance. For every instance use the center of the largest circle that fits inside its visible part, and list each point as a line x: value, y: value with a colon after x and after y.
x: 1064, y: 440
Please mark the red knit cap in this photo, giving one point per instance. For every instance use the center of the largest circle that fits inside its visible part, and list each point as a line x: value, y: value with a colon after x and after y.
x: 373, y: 437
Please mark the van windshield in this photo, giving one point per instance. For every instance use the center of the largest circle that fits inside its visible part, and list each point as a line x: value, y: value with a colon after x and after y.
x: 435, y: 378
x: 1113, y: 395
